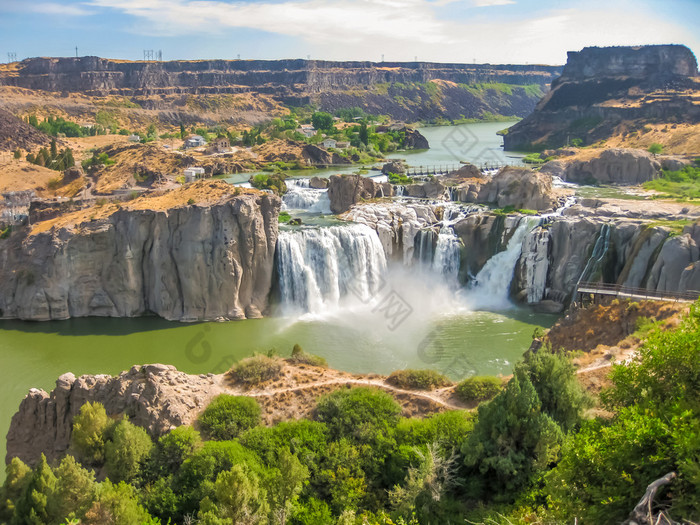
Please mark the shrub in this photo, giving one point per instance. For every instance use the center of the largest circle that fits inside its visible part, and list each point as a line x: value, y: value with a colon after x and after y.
x: 256, y: 369
x: 125, y: 452
x: 302, y: 358
x: 89, y: 429
x: 284, y: 217
x: 418, y: 379
x: 227, y: 416
x: 478, y: 388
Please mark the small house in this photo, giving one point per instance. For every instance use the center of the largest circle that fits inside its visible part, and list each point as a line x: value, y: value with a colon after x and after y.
x: 193, y: 173
x: 134, y: 138
x: 195, y: 141
x: 329, y: 143
x: 307, y: 130
x: 219, y: 145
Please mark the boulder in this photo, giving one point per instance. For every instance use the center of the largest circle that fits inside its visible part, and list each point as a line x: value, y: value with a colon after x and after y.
x: 519, y: 187
x: 673, y: 163
x: 395, y: 166
x: 613, y: 166
x: 414, y: 139
x: 318, y: 183
x: 346, y: 190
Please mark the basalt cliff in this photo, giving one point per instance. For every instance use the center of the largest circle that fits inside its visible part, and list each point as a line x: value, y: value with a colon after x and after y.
x: 208, y: 257
x: 254, y: 90
x: 636, y: 95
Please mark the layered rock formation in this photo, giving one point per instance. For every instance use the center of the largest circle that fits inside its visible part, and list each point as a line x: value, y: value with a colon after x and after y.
x: 187, y: 263
x: 600, y: 88
x: 155, y: 397
x: 172, y: 87
x: 609, y: 166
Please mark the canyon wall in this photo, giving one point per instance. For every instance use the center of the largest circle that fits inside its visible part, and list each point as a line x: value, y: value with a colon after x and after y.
x: 188, y: 263
x: 603, y: 88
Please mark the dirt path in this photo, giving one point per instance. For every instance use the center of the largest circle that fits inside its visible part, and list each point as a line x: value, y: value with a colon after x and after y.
x: 432, y: 396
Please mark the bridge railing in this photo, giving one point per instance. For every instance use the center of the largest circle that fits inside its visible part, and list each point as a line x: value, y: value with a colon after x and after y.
x: 642, y: 293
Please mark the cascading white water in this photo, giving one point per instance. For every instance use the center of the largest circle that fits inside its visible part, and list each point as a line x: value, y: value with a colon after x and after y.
x: 447, y: 255
x: 318, y: 267
x: 300, y: 196
x: 492, y: 284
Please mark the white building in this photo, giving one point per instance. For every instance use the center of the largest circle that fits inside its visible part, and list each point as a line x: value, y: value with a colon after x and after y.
x: 329, y: 143
x: 195, y: 141
x: 194, y: 173
x: 307, y: 130
x: 134, y: 138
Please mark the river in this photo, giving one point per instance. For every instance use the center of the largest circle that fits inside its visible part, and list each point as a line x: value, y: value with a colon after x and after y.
x: 445, y: 328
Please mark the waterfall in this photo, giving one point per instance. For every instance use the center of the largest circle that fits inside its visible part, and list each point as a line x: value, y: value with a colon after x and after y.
x: 447, y: 254
x: 492, y: 284
x: 319, y: 267
x: 300, y: 196
x: 600, y: 249
x: 423, y: 247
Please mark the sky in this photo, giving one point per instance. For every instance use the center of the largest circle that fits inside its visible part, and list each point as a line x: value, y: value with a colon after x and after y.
x: 481, y: 31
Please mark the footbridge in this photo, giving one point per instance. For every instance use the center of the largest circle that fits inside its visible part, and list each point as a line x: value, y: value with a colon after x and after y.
x: 592, y: 291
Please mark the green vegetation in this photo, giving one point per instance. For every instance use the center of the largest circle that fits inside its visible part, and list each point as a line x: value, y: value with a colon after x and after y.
x: 55, y: 125
x: 526, y: 456
x: 398, y: 178
x: 284, y: 217
x: 418, y: 379
x: 655, y: 148
x: 227, y: 416
x: 52, y: 158
x: 256, y: 369
x: 534, y: 158
x: 478, y: 388
x: 272, y: 181
x: 683, y: 184
x: 302, y: 358
x: 97, y: 159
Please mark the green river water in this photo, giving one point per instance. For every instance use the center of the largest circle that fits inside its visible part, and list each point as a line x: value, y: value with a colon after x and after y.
x: 448, y: 336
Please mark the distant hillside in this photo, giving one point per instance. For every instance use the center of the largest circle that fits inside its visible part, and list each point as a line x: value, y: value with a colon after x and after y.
x: 233, y: 91
x: 15, y: 133
x: 632, y: 95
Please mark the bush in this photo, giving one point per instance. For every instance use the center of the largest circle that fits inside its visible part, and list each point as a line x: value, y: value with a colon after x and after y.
x: 125, y: 452
x: 256, y: 369
x: 227, y: 416
x: 302, y: 358
x: 89, y: 429
x: 478, y: 388
x: 418, y: 379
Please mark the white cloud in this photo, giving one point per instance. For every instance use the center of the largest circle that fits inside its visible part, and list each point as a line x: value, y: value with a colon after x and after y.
x: 51, y: 8
x: 402, y: 29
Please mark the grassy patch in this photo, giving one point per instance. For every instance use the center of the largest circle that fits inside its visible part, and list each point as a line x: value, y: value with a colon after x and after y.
x: 478, y: 388
x: 683, y: 184
x: 256, y: 369
x: 418, y: 379
x: 676, y: 226
x: 284, y: 217
x: 299, y: 357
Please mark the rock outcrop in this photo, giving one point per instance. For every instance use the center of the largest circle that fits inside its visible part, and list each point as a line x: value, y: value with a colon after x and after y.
x: 196, y: 262
x: 14, y: 133
x: 414, y: 139
x: 520, y: 188
x: 346, y: 190
x: 600, y: 88
x: 609, y: 166
x: 155, y: 397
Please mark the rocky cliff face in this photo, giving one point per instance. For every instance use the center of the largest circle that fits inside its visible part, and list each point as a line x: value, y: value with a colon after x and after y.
x: 406, y: 91
x: 188, y: 263
x: 346, y: 190
x: 155, y: 397
x: 600, y: 88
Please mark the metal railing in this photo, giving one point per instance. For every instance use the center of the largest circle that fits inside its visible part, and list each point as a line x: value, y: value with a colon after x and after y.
x: 635, y: 293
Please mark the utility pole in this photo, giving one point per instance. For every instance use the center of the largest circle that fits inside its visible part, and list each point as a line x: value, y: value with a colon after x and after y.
x: 382, y: 57
x: 11, y: 57
x: 76, y: 51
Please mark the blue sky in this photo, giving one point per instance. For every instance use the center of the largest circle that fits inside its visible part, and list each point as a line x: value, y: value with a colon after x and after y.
x: 496, y: 31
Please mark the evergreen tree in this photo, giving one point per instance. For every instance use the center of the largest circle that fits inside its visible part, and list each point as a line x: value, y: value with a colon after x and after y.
x: 126, y: 451
x: 89, y: 429
x: 32, y: 506
x: 286, y: 485
x: 18, y: 154
x: 364, y: 133
x: 75, y: 490
x: 17, y: 476
x: 69, y: 161
x: 54, y: 149
x: 183, y: 133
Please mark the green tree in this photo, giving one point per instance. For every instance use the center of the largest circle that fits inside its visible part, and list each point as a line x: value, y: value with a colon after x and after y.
x: 89, y: 429
x: 312, y: 512
x: 560, y: 394
x: 512, y: 442
x: 126, y: 451
x: 227, y: 416
x: 322, y: 121
x: 74, y: 493
x: 287, y: 482
x: 32, y: 506
x: 69, y: 161
x: 176, y: 446
x: 54, y: 150
x: 655, y: 148
x: 240, y: 497
x: 364, y: 133
x: 17, y: 476
x: 18, y: 154
x: 341, y: 480
x: 117, y: 505
x: 31, y: 158
x: 183, y: 132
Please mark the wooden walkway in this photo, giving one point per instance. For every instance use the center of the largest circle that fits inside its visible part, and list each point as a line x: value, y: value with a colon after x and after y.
x: 638, y: 294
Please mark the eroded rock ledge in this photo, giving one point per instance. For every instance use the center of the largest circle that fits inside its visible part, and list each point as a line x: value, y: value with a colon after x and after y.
x: 200, y: 260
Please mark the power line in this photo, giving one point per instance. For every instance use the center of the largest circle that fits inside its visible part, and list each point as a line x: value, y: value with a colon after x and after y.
x: 11, y: 57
